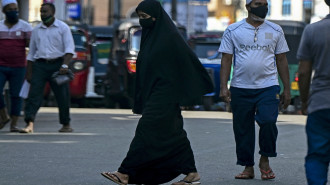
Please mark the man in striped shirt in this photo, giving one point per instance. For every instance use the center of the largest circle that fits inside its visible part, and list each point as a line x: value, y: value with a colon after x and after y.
x: 14, y: 37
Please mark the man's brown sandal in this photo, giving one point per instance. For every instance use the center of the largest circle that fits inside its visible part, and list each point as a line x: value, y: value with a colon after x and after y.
x: 244, y: 175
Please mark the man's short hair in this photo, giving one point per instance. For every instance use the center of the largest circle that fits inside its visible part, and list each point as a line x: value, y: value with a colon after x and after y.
x: 51, y: 5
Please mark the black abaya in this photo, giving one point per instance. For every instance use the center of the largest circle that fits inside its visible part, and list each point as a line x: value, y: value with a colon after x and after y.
x: 169, y: 75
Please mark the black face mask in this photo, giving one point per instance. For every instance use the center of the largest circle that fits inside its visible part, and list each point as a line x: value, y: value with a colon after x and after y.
x: 12, y: 16
x: 327, y: 2
x: 260, y: 11
x: 47, y: 19
x: 147, y: 23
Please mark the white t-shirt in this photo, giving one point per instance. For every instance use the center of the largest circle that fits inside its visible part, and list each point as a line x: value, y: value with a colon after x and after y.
x: 254, y: 50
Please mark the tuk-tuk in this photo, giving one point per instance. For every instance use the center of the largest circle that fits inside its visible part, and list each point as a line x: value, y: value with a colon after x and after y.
x: 122, y: 64
x: 206, y: 45
x: 101, y: 47
x: 292, y: 31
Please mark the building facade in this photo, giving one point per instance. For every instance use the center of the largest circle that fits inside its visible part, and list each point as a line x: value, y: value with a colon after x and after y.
x: 224, y: 12
x: 220, y: 13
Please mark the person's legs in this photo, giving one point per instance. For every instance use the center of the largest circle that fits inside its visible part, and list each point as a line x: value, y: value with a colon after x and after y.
x: 318, y: 140
x: 266, y: 117
x: 37, y: 85
x: 15, y: 80
x: 62, y: 95
x: 243, y: 110
x: 160, y: 150
x: 3, y: 110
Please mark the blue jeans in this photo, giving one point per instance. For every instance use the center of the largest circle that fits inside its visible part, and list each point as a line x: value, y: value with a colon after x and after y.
x: 318, y: 140
x: 15, y: 78
x: 250, y: 106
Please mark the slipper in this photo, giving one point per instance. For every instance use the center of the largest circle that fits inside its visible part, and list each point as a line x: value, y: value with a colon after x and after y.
x: 188, y: 182
x: 3, y: 124
x: 265, y: 174
x: 26, y: 130
x: 244, y: 175
x: 115, y: 180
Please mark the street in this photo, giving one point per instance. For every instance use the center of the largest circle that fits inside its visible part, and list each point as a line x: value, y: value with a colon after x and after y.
x: 101, y: 139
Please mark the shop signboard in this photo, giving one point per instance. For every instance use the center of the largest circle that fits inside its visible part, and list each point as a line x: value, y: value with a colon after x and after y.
x: 74, y: 11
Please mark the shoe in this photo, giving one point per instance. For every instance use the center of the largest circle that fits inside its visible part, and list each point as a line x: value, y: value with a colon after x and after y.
x: 3, y: 124
x: 14, y: 129
x: 66, y: 128
x: 26, y: 130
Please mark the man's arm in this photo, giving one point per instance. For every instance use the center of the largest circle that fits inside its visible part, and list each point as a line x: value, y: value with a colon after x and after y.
x: 66, y: 60
x: 27, y: 42
x: 69, y: 48
x: 30, y: 57
x: 304, y: 74
x: 283, y: 70
x: 28, y: 74
x: 225, y: 70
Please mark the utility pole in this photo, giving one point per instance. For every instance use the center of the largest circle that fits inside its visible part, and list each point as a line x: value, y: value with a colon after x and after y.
x: 89, y: 12
x: 237, y: 6
x: 114, y: 11
x: 174, y: 10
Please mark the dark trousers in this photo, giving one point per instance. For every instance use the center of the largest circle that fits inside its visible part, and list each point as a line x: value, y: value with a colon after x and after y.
x: 248, y: 106
x: 15, y: 78
x: 318, y: 140
x: 41, y: 73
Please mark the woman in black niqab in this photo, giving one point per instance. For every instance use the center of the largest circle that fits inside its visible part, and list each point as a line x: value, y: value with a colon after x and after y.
x: 169, y: 75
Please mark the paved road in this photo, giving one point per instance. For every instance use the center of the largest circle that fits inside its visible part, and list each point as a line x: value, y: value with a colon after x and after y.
x: 101, y: 140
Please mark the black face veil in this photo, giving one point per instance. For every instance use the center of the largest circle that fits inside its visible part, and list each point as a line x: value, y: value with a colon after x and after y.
x: 166, y: 67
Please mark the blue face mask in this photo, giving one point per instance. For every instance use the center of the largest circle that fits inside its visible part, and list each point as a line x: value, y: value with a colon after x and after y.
x: 12, y: 16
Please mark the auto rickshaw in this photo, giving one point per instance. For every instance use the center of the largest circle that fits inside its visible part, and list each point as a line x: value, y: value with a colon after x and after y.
x: 206, y: 45
x: 293, y: 31
x: 101, y: 47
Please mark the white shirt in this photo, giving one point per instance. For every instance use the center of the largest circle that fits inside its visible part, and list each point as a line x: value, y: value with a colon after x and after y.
x: 254, y: 50
x: 51, y: 42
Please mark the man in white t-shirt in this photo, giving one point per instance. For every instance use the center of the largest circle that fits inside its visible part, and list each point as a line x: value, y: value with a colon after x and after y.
x: 256, y: 48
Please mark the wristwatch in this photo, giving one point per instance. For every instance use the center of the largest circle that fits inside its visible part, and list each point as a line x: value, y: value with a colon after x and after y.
x: 64, y: 66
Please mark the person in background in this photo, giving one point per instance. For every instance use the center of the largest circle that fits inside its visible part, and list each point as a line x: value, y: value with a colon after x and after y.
x: 314, y: 54
x: 258, y: 48
x: 14, y: 37
x: 168, y: 75
x: 51, y: 50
